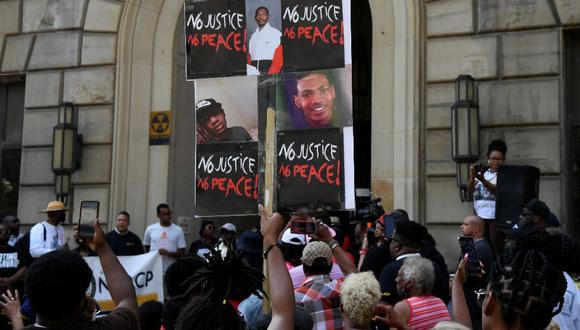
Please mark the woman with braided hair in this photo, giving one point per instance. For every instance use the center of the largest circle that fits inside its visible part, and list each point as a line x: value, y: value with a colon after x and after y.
x: 216, y: 289
x: 526, y: 286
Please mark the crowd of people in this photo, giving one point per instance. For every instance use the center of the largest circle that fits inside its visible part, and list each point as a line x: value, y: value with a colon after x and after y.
x: 386, y: 273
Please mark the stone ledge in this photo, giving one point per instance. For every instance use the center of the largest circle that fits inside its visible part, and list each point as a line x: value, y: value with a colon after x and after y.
x: 531, y: 53
x: 48, y: 15
x: 94, y: 85
x: 499, y: 15
x: 519, y: 102
x: 449, y: 57
x: 447, y: 17
x: 103, y: 15
x: 16, y: 52
x: 43, y: 89
x: 56, y: 50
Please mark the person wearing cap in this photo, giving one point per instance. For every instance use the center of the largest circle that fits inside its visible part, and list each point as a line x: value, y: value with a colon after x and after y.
x: 320, y: 294
x: 13, y: 224
x: 249, y: 247
x: 537, y: 214
x: 212, y: 126
x: 227, y: 241
x: 48, y: 235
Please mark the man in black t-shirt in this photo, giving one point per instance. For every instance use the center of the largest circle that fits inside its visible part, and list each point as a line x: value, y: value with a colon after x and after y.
x: 122, y: 241
x: 12, y: 268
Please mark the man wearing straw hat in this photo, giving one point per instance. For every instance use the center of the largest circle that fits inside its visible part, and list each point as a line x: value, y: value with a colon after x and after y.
x: 48, y: 235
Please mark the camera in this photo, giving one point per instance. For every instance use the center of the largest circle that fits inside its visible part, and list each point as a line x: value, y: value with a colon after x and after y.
x: 479, y: 168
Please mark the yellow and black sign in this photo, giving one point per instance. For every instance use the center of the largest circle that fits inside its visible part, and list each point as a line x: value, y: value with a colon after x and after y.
x: 160, y: 128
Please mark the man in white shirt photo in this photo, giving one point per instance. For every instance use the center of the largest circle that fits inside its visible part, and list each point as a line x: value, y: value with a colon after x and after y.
x: 264, y: 50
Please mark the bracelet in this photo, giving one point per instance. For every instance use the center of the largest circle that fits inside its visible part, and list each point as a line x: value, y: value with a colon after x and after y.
x: 265, y: 255
x: 333, y: 244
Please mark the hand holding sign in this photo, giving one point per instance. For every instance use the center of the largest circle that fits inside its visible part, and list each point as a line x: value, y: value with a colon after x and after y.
x: 270, y: 226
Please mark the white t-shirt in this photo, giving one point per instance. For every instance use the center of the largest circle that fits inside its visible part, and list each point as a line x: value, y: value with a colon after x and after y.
x: 170, y: 238
x: 483, y: 199
x: 263, y: 43
x: 41, y: 243
x: 569, y: 316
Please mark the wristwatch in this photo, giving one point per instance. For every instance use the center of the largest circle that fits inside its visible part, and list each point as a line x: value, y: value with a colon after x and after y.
x: 333, y: 244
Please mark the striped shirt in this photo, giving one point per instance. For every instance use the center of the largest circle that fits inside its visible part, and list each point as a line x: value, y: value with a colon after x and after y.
x: 426, y: 312
x: 320, y: 295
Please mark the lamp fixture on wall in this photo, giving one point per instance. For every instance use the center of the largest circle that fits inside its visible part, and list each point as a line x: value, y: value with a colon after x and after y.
x: 464, y: 131
x: 66, y: 150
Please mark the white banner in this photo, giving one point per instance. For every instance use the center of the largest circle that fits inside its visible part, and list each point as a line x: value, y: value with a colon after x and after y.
x: 145, y: 270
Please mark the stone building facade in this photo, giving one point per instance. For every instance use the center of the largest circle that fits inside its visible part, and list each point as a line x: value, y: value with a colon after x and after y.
x: 120, y: 60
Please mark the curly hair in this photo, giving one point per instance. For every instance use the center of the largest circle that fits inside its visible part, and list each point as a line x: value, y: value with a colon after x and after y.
x: 359, y: 295
x: 527, y: 280
x: 56, y: 283
x: 421, y: 270
x: 497, y: 145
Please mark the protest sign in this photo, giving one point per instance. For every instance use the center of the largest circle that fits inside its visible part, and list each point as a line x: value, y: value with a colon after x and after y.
x: 313, y: 34
x: 226, y: 179
x: 310, y: 169
x: 215, y: 36
x: 145, y: 271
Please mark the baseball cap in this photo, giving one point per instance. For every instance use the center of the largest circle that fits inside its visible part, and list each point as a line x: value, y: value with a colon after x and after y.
x: 314, y: 250
x: 204, y: 106
x: 250, y: 241
x: 294, y: 239
x: 553, y: 220
x: 539, y: 208
x: 229, y: 227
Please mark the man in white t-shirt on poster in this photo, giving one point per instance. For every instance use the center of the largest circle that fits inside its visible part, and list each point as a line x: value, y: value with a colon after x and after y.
x: 264, y: 50
x: 48, y: 235
x: 165, y: 237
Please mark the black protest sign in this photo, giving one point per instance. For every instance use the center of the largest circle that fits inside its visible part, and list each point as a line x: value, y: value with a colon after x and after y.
x: 215, y: 38
x: 226, y: 178
x: 310, y: 169
x: 312, y: 34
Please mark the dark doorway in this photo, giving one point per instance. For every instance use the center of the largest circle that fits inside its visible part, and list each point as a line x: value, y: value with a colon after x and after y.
x: 362, y: 45
x: 572, y: 131
x: 11, y: 118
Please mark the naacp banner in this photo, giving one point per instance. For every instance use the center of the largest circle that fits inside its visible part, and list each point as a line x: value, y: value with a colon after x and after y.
x: 145, y: 271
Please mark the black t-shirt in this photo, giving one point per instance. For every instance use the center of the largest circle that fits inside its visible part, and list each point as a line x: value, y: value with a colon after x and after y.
x: 125, y: 245
x: 10, y: 261
x: 119, y: 319
x: 376, y: 259
x: 199, y: 248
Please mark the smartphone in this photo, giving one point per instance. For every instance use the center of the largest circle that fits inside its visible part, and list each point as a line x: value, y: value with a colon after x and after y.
x: 89, y: 212
x: 468, y: 247
x: 302, y: 223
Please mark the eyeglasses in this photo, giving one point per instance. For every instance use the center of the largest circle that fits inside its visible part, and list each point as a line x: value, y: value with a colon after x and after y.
x: 480, y: 296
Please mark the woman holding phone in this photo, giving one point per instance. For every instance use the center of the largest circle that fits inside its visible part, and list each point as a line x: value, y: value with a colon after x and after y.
x: 482, y: 184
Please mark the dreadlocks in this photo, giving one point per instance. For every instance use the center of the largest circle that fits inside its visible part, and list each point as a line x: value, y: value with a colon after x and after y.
x: 527, y: 280
x: 212, y: 286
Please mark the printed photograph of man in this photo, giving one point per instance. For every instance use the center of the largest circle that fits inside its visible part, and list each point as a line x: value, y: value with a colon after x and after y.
x: 226, y: 110
x: 315, y: 99
x: 265, y: 55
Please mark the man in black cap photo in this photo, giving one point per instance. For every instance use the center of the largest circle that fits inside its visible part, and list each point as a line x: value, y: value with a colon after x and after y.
x: 212, y: 126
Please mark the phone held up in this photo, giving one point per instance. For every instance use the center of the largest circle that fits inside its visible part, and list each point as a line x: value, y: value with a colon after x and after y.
x: 89, y: 212
x: 302, y: 223
x: 468, y: 247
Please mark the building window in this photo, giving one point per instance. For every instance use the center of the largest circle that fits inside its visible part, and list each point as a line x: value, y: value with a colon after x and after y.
x: 11, y: 118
